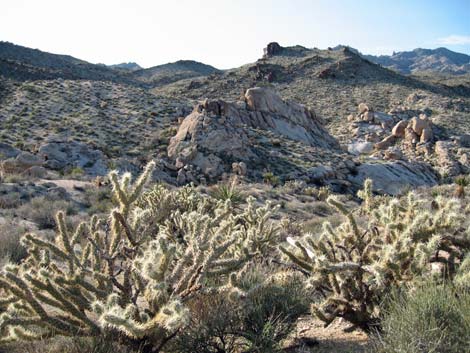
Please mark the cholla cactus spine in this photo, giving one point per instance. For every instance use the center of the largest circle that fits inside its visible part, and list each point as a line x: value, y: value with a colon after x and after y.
x: 130, y: 274
x: 354, y: 266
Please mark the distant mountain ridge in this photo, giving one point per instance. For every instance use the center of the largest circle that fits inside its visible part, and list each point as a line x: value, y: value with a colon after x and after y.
x: 131, y: 66
x: 23, y: 64
x: 440, y: 60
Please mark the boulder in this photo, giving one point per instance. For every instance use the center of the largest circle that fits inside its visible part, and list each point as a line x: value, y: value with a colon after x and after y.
x: 411, y: 136
x: 395, y: 177
x: 362, y: 108
x: 59, y: 155
x: 426, y: 135
x: 385, y: 120
x: 8, y: 151
x: 385, y: 143
x: 358, y: 148
x: 35, y: 172
x: 465, y: 160
x: 464, y: 140
x: 418, y: 124
x: 399, y: 129
x: 20, y: 163
x: 447, y: 164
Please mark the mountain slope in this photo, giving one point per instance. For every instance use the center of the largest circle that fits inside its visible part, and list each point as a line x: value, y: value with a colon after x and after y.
x: 172, y: 72
x: 22, y: 63
x: 422, y: 60
x: 332, y: 82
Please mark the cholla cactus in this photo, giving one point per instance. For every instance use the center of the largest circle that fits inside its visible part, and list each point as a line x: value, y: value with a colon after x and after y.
x: 354, y: 266
x: 130, y: 275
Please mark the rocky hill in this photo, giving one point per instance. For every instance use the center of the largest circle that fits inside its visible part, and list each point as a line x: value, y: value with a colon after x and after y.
x: 168, y: 73
x: 303, y: 125
x: 24, y: 64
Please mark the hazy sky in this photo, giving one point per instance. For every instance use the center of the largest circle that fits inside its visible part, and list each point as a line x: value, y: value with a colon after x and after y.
x: 227, y: 33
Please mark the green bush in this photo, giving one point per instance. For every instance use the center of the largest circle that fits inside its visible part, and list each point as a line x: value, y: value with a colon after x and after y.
x: 42, y: 211
x: 432, y: 318
x: 256, y: 321
x: 271, y: 179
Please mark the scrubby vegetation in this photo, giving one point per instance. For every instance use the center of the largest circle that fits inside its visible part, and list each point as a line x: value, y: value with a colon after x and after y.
x: 432, y: 318
x: 176, y: 270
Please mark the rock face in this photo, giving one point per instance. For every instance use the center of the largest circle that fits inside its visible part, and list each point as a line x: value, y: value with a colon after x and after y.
x: 358, y: 148
x: 7, y: 151
x: 22, y: 162
x: 447, y: 164
x: 266, y: 110
x: 399, y: 129
x: 393, y: 178
x: 272, y: 49
x: 218, y: 132
x: 59, y: 155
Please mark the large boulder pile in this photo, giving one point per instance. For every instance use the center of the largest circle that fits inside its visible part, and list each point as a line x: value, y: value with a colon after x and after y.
x: 58, y: 155
x: 218, y: 133
x: 62, y: 155
x: 407, y: 134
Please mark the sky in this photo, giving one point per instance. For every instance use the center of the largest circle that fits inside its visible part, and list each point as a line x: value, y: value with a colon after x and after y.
x: 229, y: 33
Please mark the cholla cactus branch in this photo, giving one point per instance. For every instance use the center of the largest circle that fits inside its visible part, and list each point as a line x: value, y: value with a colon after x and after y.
x: 354, y: 266
x: 132, y: 273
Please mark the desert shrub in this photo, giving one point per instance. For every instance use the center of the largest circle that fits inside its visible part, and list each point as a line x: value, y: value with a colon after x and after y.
x: 258, y: 320
x: 10, y: 200
x: 121, y: 277
x: 431, y: 318
x: 227, y: 191
x: 270, y: 178
x: 461, y: 182
x: 42, y: 211
x: 97, y: 200
x: 294, y: 186
x: 76, y: 172
x: 462, y: 277
x: 102, y: 344
x: 355, y: 265
x: 11, y: 250
x: 321, y: 194
x: 14, y: 178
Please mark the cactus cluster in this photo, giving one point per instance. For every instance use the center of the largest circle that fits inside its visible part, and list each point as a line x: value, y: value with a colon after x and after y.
x: 130, y: 275
x: 379, y: 246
